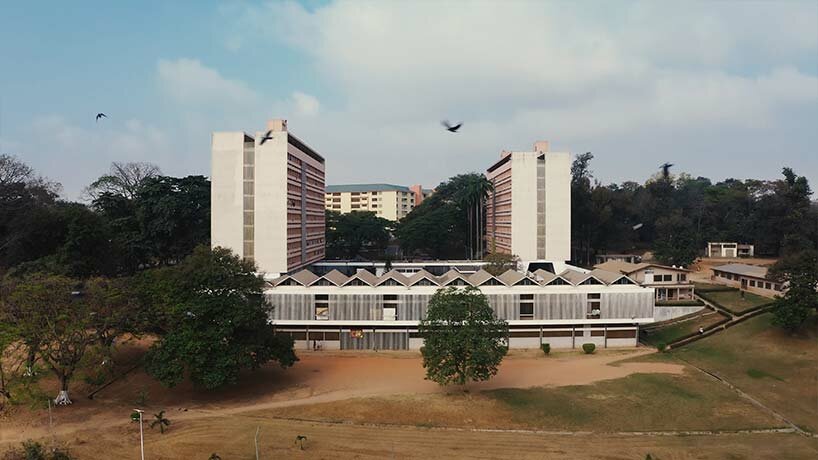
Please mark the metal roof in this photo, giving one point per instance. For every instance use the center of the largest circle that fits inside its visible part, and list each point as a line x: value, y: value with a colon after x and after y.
x: 365, y: 188
x: 743, y: 269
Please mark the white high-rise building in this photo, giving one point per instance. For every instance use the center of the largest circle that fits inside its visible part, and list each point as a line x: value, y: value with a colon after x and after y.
x: 267, y: 200
x: 529, y: 212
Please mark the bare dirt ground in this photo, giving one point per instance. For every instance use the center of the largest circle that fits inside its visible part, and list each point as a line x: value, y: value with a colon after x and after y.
x: 701, y: 269
x: 226, y: 421
x: 318, y: 378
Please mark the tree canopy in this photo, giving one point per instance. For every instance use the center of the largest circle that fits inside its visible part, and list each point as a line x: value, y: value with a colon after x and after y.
x: 463, y: 340
x: 356, y: 234
x: 215, y: 321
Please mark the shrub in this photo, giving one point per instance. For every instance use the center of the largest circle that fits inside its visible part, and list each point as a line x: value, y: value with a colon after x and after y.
x: 546, y: 348
x: 33, y: 450
x: 661, y: 346
x: 588, y: 348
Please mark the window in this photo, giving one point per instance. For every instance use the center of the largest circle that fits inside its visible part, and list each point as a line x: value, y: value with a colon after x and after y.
x: 768, y: 285
x: 594, y: 305
x: 390, y: 307
x: 526, y: 306
x: 752, y: 283
x: 321, y: 306
x: 682, y: 277
x: 557, y: 282
x: 777, y: 287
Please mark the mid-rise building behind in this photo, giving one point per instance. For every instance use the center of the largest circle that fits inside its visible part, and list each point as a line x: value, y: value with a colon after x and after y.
x: 388, y: 201
x: 529, y: 212
x: 267, y: 198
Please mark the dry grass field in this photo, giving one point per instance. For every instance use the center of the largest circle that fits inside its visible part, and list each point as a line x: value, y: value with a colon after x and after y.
x: 377, y: 405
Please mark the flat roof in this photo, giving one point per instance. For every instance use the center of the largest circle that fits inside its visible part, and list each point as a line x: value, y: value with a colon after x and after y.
x: 743, y: 269
x: 365, y: 188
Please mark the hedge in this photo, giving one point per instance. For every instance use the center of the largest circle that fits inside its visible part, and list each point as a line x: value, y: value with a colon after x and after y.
x: 680, y: 303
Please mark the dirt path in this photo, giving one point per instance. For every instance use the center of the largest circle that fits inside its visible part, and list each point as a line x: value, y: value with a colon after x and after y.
x: 323, y: 377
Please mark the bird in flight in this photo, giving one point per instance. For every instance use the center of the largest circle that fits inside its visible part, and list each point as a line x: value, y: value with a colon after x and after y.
x: 449, y: 127
x: 101, y: 115
x: 266, y: 137
x: 666, y: 170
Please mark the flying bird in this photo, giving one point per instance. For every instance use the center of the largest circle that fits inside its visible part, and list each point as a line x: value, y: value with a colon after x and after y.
x: 449, y: 127
x: 266, y: 137
x: 101, y: 115
x: 666, y: 169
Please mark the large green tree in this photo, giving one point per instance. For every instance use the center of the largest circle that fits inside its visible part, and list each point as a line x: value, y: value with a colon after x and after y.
x: 463, y: 339
x: 356, y: 234
x: 798, y: 271
x: 451, y: 222
x: 54, y: 320
x: 215, y: 321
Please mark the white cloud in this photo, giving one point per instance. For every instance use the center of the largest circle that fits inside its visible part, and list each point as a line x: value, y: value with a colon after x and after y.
x: 305, y: 104
x: 584, y: 75
x: 190, y: 82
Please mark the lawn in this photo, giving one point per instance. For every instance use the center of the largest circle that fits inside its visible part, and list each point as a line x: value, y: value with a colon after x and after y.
x: 779, y: 370
x: 673, y: 332
x: 639, y: 402
x: 733, y: 301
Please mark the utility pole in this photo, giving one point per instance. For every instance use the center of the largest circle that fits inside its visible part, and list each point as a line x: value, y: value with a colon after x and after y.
x: 141, y: 435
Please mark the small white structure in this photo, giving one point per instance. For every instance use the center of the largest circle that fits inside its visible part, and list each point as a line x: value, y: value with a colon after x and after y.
x: 729, y: 250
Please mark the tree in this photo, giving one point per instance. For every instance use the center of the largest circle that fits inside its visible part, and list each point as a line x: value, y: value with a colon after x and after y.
x: 160, y: 420
x: 463, y: 340
x: 450, y: 222
x: 798, y: 272
x: 215, y: 321
x: 499, y: 263
x: 350, y: 235
x: 54, y: 321
x: 123, y: 179
x: 675, y: 244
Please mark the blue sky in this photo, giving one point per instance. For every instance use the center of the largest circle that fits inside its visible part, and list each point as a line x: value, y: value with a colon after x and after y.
x: 722, y: 89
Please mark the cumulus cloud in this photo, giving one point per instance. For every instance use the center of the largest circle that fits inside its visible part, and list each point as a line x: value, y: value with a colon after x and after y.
x: 616, y: 78
x: 305, y: 104
x: 190, y: 82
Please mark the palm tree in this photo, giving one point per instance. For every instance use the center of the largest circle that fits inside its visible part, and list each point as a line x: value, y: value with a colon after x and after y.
x: 472, y: 197
x: 159, y: 419
x: 300, y: 440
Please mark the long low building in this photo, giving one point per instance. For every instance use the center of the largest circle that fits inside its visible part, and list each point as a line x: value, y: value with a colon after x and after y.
x: 751, y: 278
x: 365, y: 311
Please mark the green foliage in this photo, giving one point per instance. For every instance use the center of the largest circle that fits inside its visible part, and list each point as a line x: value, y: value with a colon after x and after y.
x: 588, y: 348
x: 679, y: 214
x: 661, y: 347
x: 499, y: 263
x: 160, y: 421
x: 463, y: 340
x: 675, y: 243
x: 800, y: 273
x: 546, y: 348
x: 33, y: 450
x: 215, y: 321
x: 449, y: 223
x: 55, y: 324
x: 356, y: 233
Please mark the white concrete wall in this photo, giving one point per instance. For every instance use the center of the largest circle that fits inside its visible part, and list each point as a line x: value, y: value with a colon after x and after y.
x: 271, y: 203
x: 226, y: 195
x: 524, y: 205
x: 557, y: 206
